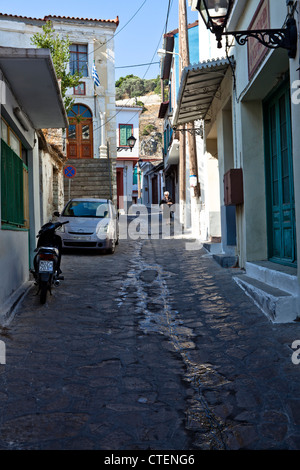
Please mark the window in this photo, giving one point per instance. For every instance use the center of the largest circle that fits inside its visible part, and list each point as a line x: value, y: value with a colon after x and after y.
x: 4, y: 131
x: 86, y: 209
x: 14, y: 180
x: 15, y: 143
x: 79, y: 59
x: 125, y: 131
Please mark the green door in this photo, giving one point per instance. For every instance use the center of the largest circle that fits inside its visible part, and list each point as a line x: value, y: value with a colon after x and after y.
x: 279, y: 179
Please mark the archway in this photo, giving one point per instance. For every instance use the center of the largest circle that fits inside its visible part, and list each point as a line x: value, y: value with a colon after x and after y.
x: 80, y: 132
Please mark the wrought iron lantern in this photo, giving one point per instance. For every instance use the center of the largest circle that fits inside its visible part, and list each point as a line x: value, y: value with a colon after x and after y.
x: 215, y: 14
x: 130, y: 142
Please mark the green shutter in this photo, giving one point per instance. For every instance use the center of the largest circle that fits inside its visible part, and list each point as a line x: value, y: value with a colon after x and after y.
x: 12, y: 210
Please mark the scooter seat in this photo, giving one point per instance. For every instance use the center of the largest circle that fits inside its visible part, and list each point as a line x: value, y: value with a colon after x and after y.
x: 45, y: 249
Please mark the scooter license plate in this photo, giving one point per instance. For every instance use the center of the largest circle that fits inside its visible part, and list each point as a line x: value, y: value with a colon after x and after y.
x: 46, y: 266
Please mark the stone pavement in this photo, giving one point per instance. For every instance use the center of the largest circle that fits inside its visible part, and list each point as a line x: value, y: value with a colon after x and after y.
x: 154, y: 347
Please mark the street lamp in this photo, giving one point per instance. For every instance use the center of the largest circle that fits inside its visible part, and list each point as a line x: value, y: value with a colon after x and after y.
x: 215, y: 14
x: 130, y: 142
x: 162, y: 54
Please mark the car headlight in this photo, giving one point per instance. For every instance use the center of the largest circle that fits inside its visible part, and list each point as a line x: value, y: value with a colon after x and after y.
x: 103, y: 228
x: 61, y: 229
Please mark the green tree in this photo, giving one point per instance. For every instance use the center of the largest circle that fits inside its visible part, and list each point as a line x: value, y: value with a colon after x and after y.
x: 60, y: 52
x: 131, y: 86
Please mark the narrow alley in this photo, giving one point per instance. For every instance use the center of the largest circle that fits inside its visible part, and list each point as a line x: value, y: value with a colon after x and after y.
x: 152, y: 348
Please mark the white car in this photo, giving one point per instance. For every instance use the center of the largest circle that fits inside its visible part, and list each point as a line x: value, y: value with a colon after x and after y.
x: 93, y: 224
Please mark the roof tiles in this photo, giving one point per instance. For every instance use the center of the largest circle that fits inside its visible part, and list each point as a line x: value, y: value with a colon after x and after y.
x: 49, y: 17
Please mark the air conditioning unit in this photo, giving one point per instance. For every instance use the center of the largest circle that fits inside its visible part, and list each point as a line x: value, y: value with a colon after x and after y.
x: 233, y: 187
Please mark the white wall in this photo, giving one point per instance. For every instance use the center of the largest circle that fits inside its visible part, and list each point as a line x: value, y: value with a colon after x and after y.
x: 14, y: 244
x: 14, y: 267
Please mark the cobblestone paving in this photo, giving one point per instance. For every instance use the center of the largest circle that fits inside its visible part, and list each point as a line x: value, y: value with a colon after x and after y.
x: 154, y: 347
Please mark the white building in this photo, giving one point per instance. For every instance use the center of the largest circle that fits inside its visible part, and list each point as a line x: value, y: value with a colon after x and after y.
x: 92, y: 121
x: 30, y: 100
x: 206, y: 223
x: 127, y: 124
x: 251, y: 121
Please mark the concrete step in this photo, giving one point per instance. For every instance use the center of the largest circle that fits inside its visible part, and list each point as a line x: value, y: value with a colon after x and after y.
x: 276, y: 275
x: 95, y: 163
x: 278, y: 305
x: 225, y: 260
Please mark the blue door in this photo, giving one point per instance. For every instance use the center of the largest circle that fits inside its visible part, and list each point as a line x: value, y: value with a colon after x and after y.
x: 279, y: 179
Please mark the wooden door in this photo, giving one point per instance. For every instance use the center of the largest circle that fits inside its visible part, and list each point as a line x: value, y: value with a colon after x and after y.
x: 279, y: 179
x: 120, y: 189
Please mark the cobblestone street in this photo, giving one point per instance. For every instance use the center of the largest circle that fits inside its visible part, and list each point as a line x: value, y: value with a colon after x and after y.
x: 154, y: 347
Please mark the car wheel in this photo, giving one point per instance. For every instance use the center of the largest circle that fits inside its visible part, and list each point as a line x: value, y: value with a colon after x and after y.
x: 113, y: 247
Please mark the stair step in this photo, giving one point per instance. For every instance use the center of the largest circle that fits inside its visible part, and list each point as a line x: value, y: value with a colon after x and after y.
x: 215, y: 248
x: 278, y: 305
x: 282, y: 277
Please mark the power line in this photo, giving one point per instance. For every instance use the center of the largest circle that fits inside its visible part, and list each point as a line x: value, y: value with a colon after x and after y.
x: 149, y: 64
x: 118, y: 32
x: 168, y: 13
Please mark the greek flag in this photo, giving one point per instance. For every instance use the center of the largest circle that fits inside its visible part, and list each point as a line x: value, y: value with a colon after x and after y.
x: 95, y: 76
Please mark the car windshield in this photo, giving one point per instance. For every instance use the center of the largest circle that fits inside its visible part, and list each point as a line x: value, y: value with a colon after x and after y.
x: 86, y: 209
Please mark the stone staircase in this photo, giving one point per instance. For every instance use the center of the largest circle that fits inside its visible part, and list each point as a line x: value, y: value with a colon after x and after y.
x: 92, y: 179
x: 273, y: 288
x: 225, y: 260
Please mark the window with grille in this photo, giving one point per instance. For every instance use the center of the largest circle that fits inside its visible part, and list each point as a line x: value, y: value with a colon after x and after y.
x: 79, y: 59
x: 125, y: 131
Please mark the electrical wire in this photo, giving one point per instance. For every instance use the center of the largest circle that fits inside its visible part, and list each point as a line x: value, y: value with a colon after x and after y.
x: 136, y: 65
x: 114, y: 35
x: 150, y: 64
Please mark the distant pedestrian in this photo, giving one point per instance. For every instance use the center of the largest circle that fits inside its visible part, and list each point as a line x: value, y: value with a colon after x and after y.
x: 166, y: 204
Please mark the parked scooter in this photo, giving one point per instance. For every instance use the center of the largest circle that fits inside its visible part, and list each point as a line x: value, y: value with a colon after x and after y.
x: 46, y: 262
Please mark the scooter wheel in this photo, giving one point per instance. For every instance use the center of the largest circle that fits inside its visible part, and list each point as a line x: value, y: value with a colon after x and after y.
x: 43, y: 289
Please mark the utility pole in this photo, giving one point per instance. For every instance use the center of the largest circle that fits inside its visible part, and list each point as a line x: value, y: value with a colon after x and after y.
x: 184, y: 55
x: 195, y: 190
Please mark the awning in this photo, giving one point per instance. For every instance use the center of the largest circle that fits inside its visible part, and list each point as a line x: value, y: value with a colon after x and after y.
x: 199, y: 85
x: 32, y: 78
x: 163, y: 109
x: 166, y: 63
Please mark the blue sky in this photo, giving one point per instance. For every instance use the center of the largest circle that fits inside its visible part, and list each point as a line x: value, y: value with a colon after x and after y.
x: 135, y: 44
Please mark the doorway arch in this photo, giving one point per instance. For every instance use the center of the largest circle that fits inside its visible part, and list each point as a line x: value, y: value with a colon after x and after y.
x: 80, y: 132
